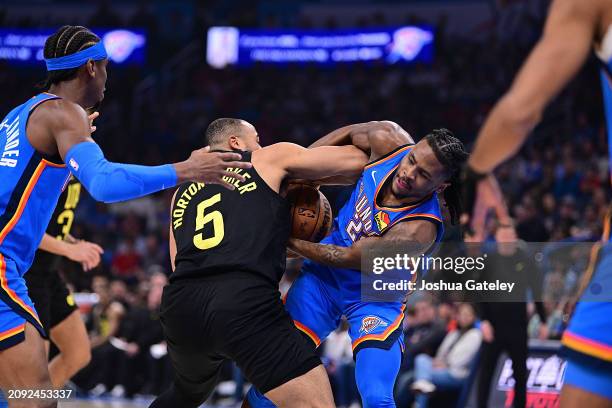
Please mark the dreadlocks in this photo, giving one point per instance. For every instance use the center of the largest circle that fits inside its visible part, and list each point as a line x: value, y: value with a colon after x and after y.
x: 66, y: 41
x: 451, y: 153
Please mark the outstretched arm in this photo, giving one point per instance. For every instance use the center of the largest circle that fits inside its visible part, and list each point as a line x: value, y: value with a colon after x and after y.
x: 281, y: 161
x: 419, y: 231
x: 376, y: 138
x: 109, y: 182
x: 563, y: 48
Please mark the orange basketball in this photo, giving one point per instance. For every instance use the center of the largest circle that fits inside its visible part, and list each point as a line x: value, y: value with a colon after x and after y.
x: 311, y: 214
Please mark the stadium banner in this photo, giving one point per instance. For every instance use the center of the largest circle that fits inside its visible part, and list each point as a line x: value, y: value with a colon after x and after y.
x: 228, y: 46
x: 25, y: 47
x: 545, y: 375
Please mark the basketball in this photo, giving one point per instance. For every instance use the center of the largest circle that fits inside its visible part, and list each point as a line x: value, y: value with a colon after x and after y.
x: 311, y: 215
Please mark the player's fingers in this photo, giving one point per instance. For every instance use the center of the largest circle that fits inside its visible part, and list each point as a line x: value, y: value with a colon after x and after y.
x: 94, y: 115
x: 227, y: 185
x: 238, y: 177
x: 228, y: 157
x: 97, y: 248
x: 95, y: 258
x: 240, y: 164
x: 92, y: 129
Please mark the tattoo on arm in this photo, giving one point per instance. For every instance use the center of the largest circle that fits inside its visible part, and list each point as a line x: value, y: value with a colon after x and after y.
x: 333, y: 254
x: 330, y: 255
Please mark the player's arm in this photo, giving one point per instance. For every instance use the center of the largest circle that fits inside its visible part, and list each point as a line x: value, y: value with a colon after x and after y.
x: 556, y: 58
x: 110, y: 182
x: 288, y: 160
x: 171, y: 240
x: 84, y: 252
x: 419, y: 231
x: 376, y: 138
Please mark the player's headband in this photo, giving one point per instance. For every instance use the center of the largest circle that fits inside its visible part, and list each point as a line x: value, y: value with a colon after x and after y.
x: 95, y: 52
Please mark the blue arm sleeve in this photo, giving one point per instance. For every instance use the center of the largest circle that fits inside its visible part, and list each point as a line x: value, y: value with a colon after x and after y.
x: 112, y: 182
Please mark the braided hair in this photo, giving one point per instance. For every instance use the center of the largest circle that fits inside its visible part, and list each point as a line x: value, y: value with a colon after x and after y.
x: 66, y: 41
x: 451, y: 153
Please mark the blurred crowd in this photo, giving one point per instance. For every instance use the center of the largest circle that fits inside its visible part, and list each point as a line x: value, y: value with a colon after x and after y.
x: 556, y: 187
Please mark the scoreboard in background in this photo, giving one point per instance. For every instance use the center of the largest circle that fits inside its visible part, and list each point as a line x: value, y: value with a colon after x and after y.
x: 25, y: 47
x: 234, y: 46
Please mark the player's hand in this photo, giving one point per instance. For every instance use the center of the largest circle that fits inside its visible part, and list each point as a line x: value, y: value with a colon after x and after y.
x: 86, y: 253
x: 132, y: 349
x: 487, y: 331
x: 206, y: 167
x: 481, y: 193
x: 92, y: 117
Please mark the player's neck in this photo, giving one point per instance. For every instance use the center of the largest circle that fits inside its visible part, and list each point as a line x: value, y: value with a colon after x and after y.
x: 71, y: 91
x: 389, y: 199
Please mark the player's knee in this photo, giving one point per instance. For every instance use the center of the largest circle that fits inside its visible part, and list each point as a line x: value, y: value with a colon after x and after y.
x: 79, y: 357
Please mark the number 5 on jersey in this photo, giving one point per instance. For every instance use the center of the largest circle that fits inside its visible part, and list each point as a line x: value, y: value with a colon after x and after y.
x: 203, y: 217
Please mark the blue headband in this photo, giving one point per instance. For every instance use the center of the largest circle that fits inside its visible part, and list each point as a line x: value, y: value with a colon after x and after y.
x: 96, y: 52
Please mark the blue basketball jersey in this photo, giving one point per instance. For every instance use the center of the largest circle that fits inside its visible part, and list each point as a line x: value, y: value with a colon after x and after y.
x: 364, y: 215
x: 606, y: 82
x: 30, y: 187
x: 589, y: 334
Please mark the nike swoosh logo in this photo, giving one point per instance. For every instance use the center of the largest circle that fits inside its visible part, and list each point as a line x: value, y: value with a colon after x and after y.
x: 373, y: 178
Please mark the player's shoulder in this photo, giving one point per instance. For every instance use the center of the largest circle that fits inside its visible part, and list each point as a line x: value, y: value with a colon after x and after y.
x: 61, y: 112
x: 386, y: 137
x: 398, y: 151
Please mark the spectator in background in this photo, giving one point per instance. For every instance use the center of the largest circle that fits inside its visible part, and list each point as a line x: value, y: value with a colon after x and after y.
x: 140, y: 329
x: 103, y: 324
x: 504, y: 325
x: 427, y: 334
x: 423, y: 335
x: 452, y: 363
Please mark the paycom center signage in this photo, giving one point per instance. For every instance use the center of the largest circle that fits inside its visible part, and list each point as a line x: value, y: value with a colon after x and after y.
x: 25, y: 47
x: 227, y: 46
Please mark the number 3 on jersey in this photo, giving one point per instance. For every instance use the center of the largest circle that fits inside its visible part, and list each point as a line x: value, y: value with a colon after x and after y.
x: 203, y: 217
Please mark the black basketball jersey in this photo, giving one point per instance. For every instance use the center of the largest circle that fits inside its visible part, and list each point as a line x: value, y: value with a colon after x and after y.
x: 218, y: 231
x: 59, y: 226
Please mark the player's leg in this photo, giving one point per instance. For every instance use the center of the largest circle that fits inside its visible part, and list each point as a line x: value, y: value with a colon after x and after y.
x: 586, y: 385
x: 70, y: 337
x: 184, y: 311
x: 588, y: 341
x: 67, y: 331
x: 376, y: 332
x: 23, y: 359
x: 308, y: 390
x: 375, y: 372
x: 23, y: 366
x: 315, y: 313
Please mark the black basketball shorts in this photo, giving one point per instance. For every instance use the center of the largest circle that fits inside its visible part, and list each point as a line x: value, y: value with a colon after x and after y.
x: 238, y: 317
